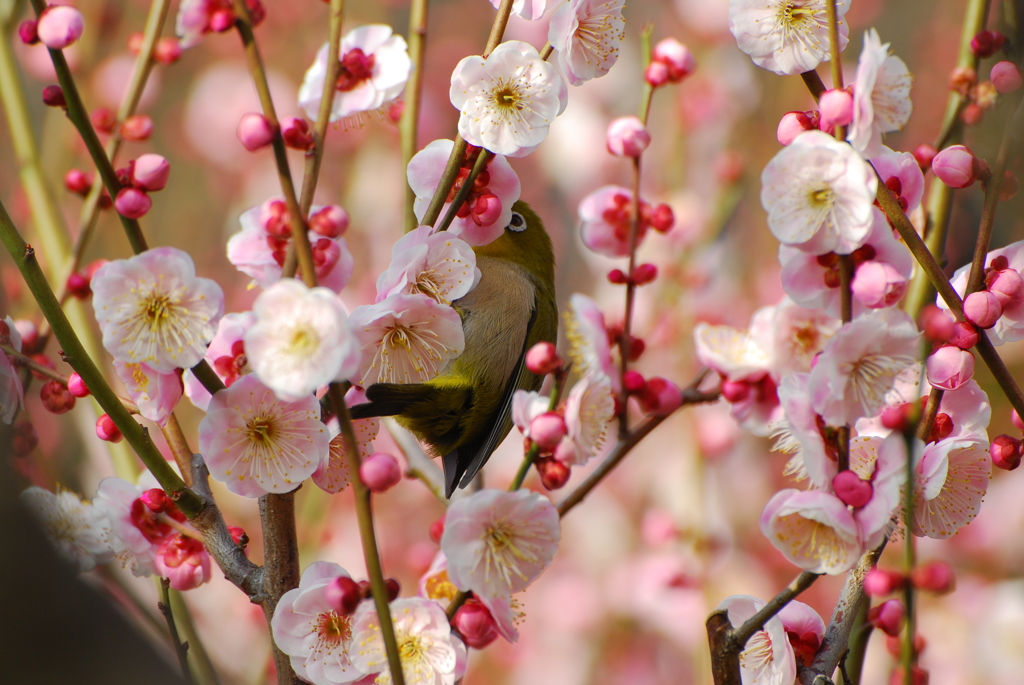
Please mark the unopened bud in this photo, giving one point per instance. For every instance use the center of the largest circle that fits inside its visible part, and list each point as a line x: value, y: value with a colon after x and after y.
x: 644, y: 274
x: 103, y: 120
x: 343, y: 595
x: 297, y: 134
x: 76, y: 386
x: 106, y: 430
x: 53, y: 96
x: 437, y: 530
x: 661, y: 218
x: 656, y: 74
x: 955, y: 166
x: 60, y: 26
x: 792, y: 125
x: 676, y: 56
x: 331, y: 221
x: 935, y: 576
x: 255, y: 131
x: 618, y: 277
x: 661, y: 397
x: 78, y: 182
x: 965, y: 335
x: 836, y: 107
x: 852, y: 489
x: 28, y: 33
x: 987, y: 43
x: 879, y: 582
x: 475, y: 624
x: 633, y: 382
x: 132, y: 203
x: 56, y: 398
x: 950, y: 368
x: 547, y: 429
x: 150, y: 172
x: 924, y: 154
x: 137, y: 127
x: 167, y: 51
x: 627, y: 137
x: 982, y: 308
x: 553, y: 474
x: 543, y: 359
x: 888, y: 616
x: 380, y: 472
x: 1006, y: 452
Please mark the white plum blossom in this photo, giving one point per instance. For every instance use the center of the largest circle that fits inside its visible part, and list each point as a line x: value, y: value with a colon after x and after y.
x: 375, y: 65
x: 881, y: 96
x: 256, y: 443
x: 586, y: 35
x: 814, y: 529
x: 135, y: 534
x: 767, y: 658
x: 437, y: 265
x: 531, y: 10
x: 589, y: 417
x: 508, y: 99
x: 430, y: 654
x: 154, y: 310
x: 588, y: 339
x: 405, y: 339
x: 79, y: 531
x: 498, y: 542
x: 952, y: 478
x: 794, y: 336
x: 301, y: 340
x: 786, y: 36
x: 819, y: 195
x: 736, y: 355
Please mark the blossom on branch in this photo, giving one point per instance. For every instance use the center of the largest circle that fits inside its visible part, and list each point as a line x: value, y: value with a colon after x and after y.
x: 156, y: 394
x: 332, y: 475
x: 589, y: 347
x: 767, y: 657
x: 881, y: 96
x: 586, y: 35
x: 814, y: 529
x: 226, y: 356
x: 589, y: 417
x: 433, y: 264
x: 531, y: 10
x: 952, y: 478
x: 786, y: 36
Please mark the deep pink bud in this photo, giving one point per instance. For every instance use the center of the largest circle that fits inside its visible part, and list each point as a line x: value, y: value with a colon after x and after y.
x: 618, y: 277
x: 53, y: 96
x: 987, y: 43
x: 76, y: 386
x: 661, y: 397
x: 627, y: 137
x: 1007, y: 285
x: 60, y: 26
x: 486, y: 209
x: 156, y: 500
x: 343, y: 595
x: 331, y: 221
x: 644, y: 274
x: 29, y: 336
x: 935, y: 576
x: 1014, y: 416
x: 255, y: 131
x: 937, y: 324
x: 836, y: 107
x: 1005, y: 77
x: 78, y: 182
x: 955, y: 166
x: 661, y: 218
x: 380, y: 471
x: 1006, y: 452
x: 547, y: 429
x: 56, y: 398
x: 475, y: 624
x: 897, y: 417
x: 879, y: 582
x: 393, y: 589
x: 633, y: 382
x: 167, y: 51
x: 887, y: 616
x: 437, y: 530
x: 656, y: 74
x: 676, y: 56
x: 297, y: 133
x: 982, y: 309
x: 543, y: 359
x: 949, y: 367
x: 150, y: 172
x: 106, y: 430
x: 735, y: 391
x: 27, y: 31
x: 132, y: 203
x: 852, y: 489
x: 326, y: 254
x: 924, y: 154
x: 965, y: 335
x: 137, y: 127
x: 792, y: 125
x: 222, y: 20
x: 553, y: 473
x: 103, y: 120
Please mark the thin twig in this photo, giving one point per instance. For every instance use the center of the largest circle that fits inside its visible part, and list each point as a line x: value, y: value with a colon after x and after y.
x: 741, y: 635
x: 409, y: 124
x: 482, y: 160
x: 180, y: 649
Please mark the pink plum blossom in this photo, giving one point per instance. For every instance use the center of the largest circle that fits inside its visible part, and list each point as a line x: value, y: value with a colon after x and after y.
x: 498, y: 542
x: 785, y: 36
x: 586, y: 35
x: 154, y: 310
x: 317, y: 639
x: 767, y: 657
x: 405, y: 339
x: 950, y: 368
x: 432, y: 264
x: 184, y: 561
x: 156, y: 394
x: 803, y: 434
x: 605, y: 218
x: 902, y: 170
x: 477, y: 223
x: 819, y: 195
x: 627, y: 137
x: 196, y: 18
x: 813, y: 529
x: 136, y: 532
x: 804, y: 628
x: 589, y: 348
x: 589, y: 417
x: 676, y: 57
x: 1010, y: 326
x: 301, y: 340
x: 881, y: 96
x: 882, y: 463
x: 531, y: 10
x: 332, y: 475
x: 860, y: 363
x: 255, y: 443
x: 430, y: 654
x: 60, y: 26
x: 375, y: 65
x: 952, y: 478
x: 526, y: 406
x: 492, y: 93
x: 226, y: 356
x: 791, y: 335
x: 79, y: 531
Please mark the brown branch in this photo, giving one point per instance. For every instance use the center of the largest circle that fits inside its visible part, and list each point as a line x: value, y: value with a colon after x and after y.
x: 280, y: 567
x: 180, y: 648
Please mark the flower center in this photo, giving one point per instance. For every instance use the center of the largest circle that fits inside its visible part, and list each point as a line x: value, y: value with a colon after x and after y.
x: 304, y: 341
x: 156, y: 310
x: 332, y: 628
x: 872, y: 376
x: 261, y: 430
x: 439, y: 587
x: 821, y: 197
x: 412, y: 648
x: 793, y: 15
x: 758, y: 654
x: 356, y: 67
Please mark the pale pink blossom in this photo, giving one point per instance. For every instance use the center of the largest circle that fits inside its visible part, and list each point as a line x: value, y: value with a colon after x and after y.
x: 589, y: 348
x: 881, y: 96
x: 950, y: 368
x: 767, y: 658
x: 951, y: 480
x: 589, y: 418
x: 154, y: 310
x: 901, y: 167
x: 586, y: 35
x: 819, y: 195
x: 1010, y: 326
x: 531, y: 10
x: 375, y: 65
x: 184, y: 561
x: 498, y: 542
x: 433, y: 264
x: 526, y: 406
x: 804, y: 628
x: 507, y: 613
x: 255, y: 443
x: 860, y: 363
x: 317, y: 639
x: 226, y: 356
x: 488, y: 207
x: 301, y: 340
x: 881, y: 462
x: 405, y: 339
x: 786, y: 36
x: 136, y: 531
x: 79, y: 531
x: 814, y: 529
x: 156, y: 394
x: 434, y: 584
x: 507, y: 100
x: 332, y: 474
x: 430, y: 654
x: 803, y: 434
x: 794, y: 336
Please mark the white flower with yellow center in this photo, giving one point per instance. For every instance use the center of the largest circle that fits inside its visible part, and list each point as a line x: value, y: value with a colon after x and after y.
x: 587, y: 35
x: 499, y: 542
x: 786, y: 36
x: 301, y: 340
x: 507, y: 99
x: 80, y: 532
x: 430, y: 654
x: 589, y: 414
x: 767, y: 658
x: 813, y: 529
x: 881, y: 96
x: 255, y: 443
x: 154, y: 310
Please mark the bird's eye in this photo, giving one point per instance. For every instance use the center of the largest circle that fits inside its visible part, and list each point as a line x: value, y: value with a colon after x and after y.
x: 517, y: 223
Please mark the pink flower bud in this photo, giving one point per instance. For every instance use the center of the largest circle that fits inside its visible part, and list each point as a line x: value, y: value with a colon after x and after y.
x: 791, y: 125
x: 53, y: 96
x: 543, y: 359
x: 852, y: 489
x: 78, y: 182
x: 897, y: 417
x: 676, y: 56
x: 547, y: 429
x: 949, y: 368
x: 255, y: 131
x: 661, y: 218
x: 222, y: 20
x: 486, y: 209
x: 987, y: 43
x: 936, y: 324
x: 1006, y: 452
x: 343, y: 595
x: 836, y: 107
x: 879, y: 582
x: 1007, y: 285
x: 656, y: 74
x: 1005, y: 77
x: 627, y: 137
x: 380, y: 471
x: 60, y: 26
x: 935, y: 576
x: 644, y: 274
x: 103, y: 120
x: 106, y: 430
x: 475, y: 624
x: 982, y: 309
x: 326, y: 254
x: 132, y: 203
x: 887, y: 616
x: 735, y: 391
x: 661, y: 397
x: 878, y: 284
x: 156, y: 500
x: 331, y: 221
x: 150, y: 172
x: 633, y: 382
x: 1014, y: 416
x: 137, y: 127
x: 618, y: 277
x: 28, y: 33
x: 56, y: 398
x: 964, y: 336
x: 76, y: 386
x: 924, y: 154
x: 167, y: 51
x: 955, y: 166
x: 393, y: 589
x: 29, y: 336
x: 554, y: 474
x: 297, y: 134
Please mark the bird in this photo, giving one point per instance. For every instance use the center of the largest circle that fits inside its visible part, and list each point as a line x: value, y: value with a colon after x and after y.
x: 464, y: 413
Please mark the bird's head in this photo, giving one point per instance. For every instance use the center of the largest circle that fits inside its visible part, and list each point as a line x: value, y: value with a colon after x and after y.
x: 524, y: 242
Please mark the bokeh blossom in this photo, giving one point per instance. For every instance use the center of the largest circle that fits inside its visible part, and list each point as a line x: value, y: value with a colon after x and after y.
x: 881, y: 96
x: 588, y: 339
x: 531, y: 10
x: 79, y: 531
x: 786, y: 36
x: 586, y: 35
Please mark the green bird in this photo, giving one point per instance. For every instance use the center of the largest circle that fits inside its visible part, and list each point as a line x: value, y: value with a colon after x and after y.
x: 465, y: 412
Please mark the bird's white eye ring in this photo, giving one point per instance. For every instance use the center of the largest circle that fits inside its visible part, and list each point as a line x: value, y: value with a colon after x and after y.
x: 517, y: 223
